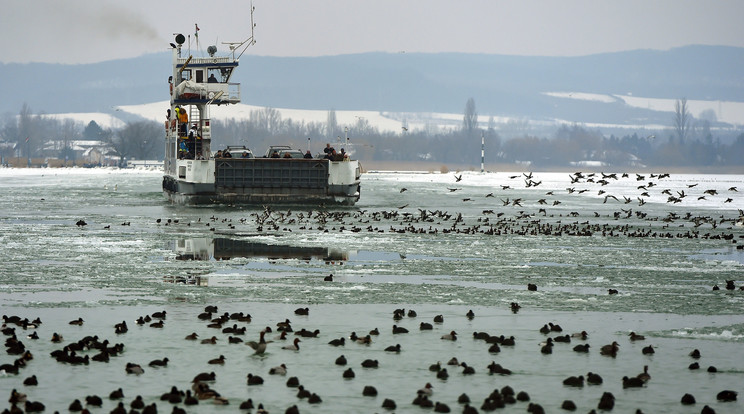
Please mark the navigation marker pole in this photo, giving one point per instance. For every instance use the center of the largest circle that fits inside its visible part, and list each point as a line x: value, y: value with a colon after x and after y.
x: 483, y: 151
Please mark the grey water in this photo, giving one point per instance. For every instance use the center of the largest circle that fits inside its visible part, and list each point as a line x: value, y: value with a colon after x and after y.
x: 421, y: 241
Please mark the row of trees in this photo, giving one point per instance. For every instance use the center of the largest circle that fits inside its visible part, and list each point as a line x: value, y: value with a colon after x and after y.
x: 685, y: 145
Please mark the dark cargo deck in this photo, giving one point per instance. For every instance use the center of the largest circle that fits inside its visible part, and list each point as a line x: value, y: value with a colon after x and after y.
x: 250, y: 174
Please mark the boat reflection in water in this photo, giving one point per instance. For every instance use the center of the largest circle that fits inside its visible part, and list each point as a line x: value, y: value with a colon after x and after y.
x: 226, y: 249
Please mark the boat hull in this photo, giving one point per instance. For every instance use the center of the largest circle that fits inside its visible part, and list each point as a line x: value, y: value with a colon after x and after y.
x: 266, y: 181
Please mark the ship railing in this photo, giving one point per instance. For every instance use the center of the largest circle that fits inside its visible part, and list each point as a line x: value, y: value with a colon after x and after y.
x: 208, y: 93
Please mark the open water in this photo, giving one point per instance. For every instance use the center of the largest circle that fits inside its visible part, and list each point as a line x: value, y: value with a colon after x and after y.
x: 439, y: 247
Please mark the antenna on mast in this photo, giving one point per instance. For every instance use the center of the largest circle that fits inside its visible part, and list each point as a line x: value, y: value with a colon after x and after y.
x: 247, y: 42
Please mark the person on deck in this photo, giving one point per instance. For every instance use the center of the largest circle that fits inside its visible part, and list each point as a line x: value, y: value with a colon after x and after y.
x: 308, y: 155
x: 328, y: 150
x: 183, y: 118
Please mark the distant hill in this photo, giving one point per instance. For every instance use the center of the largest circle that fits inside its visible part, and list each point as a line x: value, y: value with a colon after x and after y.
x: 405, y: 82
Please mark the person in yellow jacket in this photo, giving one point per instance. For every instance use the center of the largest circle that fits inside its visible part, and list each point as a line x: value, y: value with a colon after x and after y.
x: 183, y: 119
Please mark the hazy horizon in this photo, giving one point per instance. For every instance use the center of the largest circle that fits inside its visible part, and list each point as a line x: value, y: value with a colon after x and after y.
x: 86, y: 31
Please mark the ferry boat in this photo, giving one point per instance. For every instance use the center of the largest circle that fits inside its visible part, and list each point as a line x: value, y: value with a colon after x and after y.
x: 196, y: 173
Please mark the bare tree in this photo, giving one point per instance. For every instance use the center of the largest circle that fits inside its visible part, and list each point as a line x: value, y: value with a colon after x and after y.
x: 470, y: 120
x: 682, y: 119
x: 140, y: 140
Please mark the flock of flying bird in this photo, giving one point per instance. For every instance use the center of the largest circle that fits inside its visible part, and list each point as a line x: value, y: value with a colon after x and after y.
x: 513, y: 217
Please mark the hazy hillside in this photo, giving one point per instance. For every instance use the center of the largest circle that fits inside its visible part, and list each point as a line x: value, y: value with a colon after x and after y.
x: 500, y: 85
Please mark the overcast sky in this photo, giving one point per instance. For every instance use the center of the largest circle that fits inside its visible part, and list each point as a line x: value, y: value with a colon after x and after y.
x: 84, y: 31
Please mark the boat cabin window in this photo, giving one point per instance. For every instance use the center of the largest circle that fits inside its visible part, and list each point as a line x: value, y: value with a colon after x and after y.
x: 185, y: 75
x: 215, y: 76
x: 199, y: 76
x: 225, y: 74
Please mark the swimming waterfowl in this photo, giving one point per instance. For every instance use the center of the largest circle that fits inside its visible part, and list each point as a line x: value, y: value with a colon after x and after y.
x: 389, y: 404
x: 294, y: 346
x: 606, y: 402
x: 370, y: 363
x: 635, y: 337
x: 399, y: 329
x: 467, y: 370
x: 568, y: 405
x: 132, y: 368
x: 278, y: 370
x: 593, y: 379
x: 337, y: 342
x: 31, y: 381
x: 726, y: 395
x: 116, y: 394
x: 441, y: 408
x: 644, y: 376
x: 159, y: 362
x: 494, y: 368
x: 341, y: 360
x: 648, y: 350
x: 254, y: 380
x: 308, y: 334
x: 687, y: 399
x: 349, y: 373
x: 260, y: 346
x: 217, y: 361
x: 435, y: 367
x: 302, y: 392
x: 582, y: 335
x: 93, y: 400
x: 695, y: 353
x: 159, y: 315
x: 452, y: 336
x: 137, y: 403
x: 369, y: 391
x: 442, y: 374
x: 293, y: 382
x: 374, y: 332
x: 302, y: 311
x: 547, y: 346
x: 204, y: 377
x: 470, y: 314
x: 632, y: 382
x: 209, y: 341
x: 427, y: 389
x: 75, y: 406
x: 78, y: 322
x: 439, y: 319
x: 393, y: 348
x: 190, y: 399
x: 610, y: 350
x: 424, y: 326
x: 314, y: 399
x: 453, y: 361
x: 581, y: 348
x: 422, y: 401
x: 574, y: 381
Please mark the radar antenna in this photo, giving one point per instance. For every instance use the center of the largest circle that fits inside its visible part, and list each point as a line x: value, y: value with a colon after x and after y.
x: 247, y: 42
